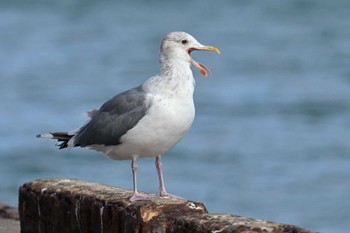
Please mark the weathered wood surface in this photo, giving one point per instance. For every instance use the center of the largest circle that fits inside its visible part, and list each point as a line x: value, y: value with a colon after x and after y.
x: 78, y: 206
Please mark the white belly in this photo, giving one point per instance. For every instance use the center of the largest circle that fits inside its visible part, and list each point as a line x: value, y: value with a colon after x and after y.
x: 164, y: 125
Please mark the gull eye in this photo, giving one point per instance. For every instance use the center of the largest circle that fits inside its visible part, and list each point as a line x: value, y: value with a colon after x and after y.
x: 184, y: 41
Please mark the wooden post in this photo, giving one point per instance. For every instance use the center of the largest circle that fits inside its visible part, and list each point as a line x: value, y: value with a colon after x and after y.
x: 67, y: 205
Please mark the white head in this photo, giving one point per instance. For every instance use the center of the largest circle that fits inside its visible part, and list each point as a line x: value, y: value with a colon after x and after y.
x: 179, y: 45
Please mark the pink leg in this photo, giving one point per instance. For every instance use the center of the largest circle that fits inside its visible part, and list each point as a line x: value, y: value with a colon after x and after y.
x: 162, y: 191
x: 137, y: 196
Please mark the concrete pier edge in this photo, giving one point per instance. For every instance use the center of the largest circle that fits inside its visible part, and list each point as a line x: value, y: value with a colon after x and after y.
x: 9, y: 219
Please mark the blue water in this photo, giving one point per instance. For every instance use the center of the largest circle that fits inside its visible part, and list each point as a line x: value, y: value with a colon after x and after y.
x: 271, y: 139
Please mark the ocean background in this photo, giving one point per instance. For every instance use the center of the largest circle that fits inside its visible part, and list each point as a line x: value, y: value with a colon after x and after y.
x: 271, y: 138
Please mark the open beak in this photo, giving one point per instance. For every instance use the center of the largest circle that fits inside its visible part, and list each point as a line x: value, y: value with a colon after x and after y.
x: 202, y: 68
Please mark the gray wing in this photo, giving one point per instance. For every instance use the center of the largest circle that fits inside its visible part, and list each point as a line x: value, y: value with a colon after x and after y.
x: 115, y: 117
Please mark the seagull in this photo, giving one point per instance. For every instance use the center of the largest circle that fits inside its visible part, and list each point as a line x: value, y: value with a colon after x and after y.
x: 147, y: 120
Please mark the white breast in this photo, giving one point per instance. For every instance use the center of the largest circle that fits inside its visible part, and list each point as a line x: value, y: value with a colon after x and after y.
x: 163, y: 127
x: 167, y: 120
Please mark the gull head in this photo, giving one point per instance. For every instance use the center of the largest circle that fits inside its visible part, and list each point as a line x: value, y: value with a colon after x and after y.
x: 179, y: 45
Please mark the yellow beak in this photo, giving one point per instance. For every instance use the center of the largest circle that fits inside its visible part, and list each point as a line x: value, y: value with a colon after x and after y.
x: 205, y: 48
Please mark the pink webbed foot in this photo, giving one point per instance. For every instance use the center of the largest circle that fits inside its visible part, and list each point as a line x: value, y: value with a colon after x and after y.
x: 141, y: 196
x: 171, y: 196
